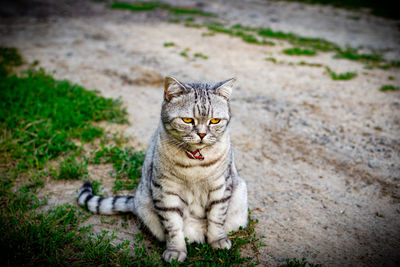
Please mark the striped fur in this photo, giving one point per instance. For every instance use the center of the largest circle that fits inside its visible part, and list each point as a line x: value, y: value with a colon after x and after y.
x: 179, y: 196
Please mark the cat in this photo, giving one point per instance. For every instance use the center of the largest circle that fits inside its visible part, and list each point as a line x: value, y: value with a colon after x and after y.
x: 189, y: 186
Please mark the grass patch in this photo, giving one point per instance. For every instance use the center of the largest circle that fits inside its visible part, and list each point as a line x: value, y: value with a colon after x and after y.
x: 9, y: 58
x: 389, y: 87
x: 341, y: 76
x: 353, y: 54
x: 42, y: 116
x: 193, y: 25
x: 138, y: 6
x: 184, y: 53
x: 297, y: 51
x: 150, y: 6
x: 126, y: 163
x: 272, y: 59
x: 189, y: 11
x: 303, y: 63
x: 200, y: 55
x: 70, y: 168
x: 168, y: 44
x: 299, y: 263
x: 174, y: 20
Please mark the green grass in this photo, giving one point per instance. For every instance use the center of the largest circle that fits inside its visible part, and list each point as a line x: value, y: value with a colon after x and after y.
x: 353, y: 54
x: 297, y: 51
x: 299, y: 263
x: 200, y: 55
x: 184, y: 53
x: 126, y: 163
x: 272, y: 59
x: 70, y: 168
x: 303, y: 63
x: 341, y: 76
x: 140, y: 6
x: 389, y: 87
x: 41, y: 116
x: 168, y: 44
x: 189, y: 11
x: 9, y: 58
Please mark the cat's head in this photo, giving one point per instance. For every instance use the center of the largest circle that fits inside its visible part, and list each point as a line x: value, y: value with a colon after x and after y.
x: 196, y: 114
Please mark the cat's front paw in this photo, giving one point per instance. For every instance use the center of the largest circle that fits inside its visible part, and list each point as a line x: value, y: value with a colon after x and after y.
x: 171, y: 254
x: 222, y: 243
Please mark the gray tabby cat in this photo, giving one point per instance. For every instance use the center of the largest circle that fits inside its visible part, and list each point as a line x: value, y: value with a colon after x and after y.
x: 190, y: 186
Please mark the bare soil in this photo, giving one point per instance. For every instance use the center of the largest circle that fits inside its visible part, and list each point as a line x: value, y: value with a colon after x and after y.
x: 320, y: 157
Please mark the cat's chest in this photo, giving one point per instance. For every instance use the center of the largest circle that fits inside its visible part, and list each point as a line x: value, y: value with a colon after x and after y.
x: 196, y: 196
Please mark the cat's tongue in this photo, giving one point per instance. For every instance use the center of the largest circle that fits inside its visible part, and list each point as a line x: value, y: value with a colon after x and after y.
x: 195, y: 154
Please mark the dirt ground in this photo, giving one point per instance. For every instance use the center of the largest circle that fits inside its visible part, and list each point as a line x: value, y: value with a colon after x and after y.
x: 320, y: 157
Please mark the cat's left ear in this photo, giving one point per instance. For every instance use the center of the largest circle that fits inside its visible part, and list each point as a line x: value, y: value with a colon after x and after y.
x: 225, y: 89
x: 173, y: 88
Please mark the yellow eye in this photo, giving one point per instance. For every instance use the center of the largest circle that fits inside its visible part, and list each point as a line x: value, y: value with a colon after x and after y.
x: 214, y: 121
x: 187, y: 120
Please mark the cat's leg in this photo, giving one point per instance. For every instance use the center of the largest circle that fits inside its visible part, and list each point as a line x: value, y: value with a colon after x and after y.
x: 170, y: 207
x: 145, y: 211
x: 237, y: 214
x: 219, y: 197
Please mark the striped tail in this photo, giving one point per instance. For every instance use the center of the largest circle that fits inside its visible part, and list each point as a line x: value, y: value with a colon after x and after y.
x: 104, y: 205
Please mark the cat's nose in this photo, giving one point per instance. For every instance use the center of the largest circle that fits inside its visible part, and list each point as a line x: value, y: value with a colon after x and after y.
x: 201, y: 135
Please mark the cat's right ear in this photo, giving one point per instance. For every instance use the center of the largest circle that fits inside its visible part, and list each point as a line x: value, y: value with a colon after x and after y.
x: 172, y: 88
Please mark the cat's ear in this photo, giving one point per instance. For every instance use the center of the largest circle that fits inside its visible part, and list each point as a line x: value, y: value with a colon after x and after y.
x: 225, y: 89
x: 172, y: 88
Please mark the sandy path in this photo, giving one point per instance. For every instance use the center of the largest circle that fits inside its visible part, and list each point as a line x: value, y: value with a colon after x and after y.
x: 321, y: 157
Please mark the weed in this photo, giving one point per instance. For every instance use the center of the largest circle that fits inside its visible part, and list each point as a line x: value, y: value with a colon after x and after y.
x: 296, y: 51
x: 174, y: 20
x: 185, y: 11
x: 149, y: 6
x: 341, y: 76
x: 266, y: 42
x: 126, y: 163
x: 184, y: 53
x: 169, y: 44
x: 42, y: 116
x: 243, y: 28
x: 391, y: 78
x: 272, y: 59
x: 389, y: 87
x: 193, y: 25
x: 190, y: 19
x: 200, y: 55
x: 9, y: 58
x: 208, y: 34
x: 353, y: 54
x: 303, y: 63
x: 96, y: 188
x: 217, y: 28
x: 71, y: 169
x: 299, y: 263
x: 138, y: 6
x: 248, y: 38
